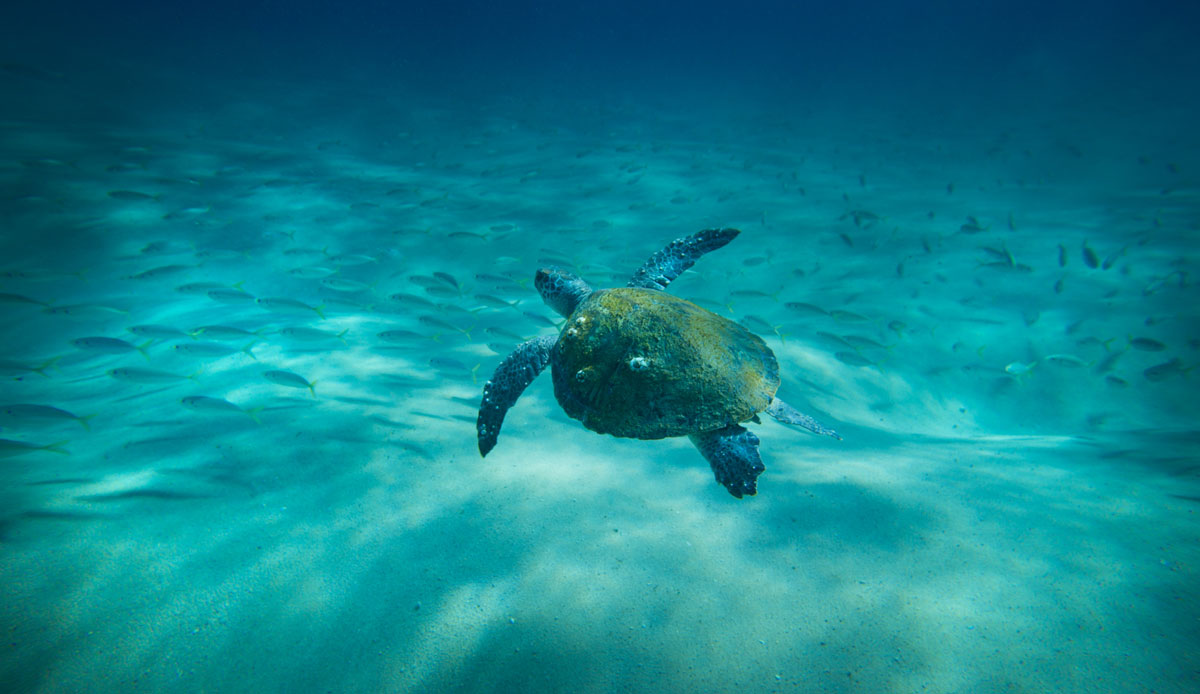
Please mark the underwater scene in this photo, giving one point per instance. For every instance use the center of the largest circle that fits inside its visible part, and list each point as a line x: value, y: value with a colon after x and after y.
x: 813, y: 347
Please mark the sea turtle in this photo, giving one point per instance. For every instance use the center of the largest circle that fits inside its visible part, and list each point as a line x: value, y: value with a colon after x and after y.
x: 640, y: 363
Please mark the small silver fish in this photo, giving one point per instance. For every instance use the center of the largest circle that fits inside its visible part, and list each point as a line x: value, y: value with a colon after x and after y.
x: 460, y: 311
x: 423, y: 281
x: 751, y: 294
x: 1161, y: 282
x: 6, y: 298
x: 412, y: 299
x: 753, y: 322
x: 311, y: 272
x: 495, y: 301
x: 130, y: 195
x: 31, y: 275
x: 400, y: 336
x: 435, y: 322
x: 1006, y: 265
x: 972, y: 226
x: 847, y: 316
x: 443, y: 292
x: 304, y: 251
x: 1146, y: 344
x: 156, y: 331
x: 285, y: 305
x: 352, y: 259
x: 852, y: 359
x: 149, y: 376
x: 830, y: 338
x: 496, y: 280
x: 162, y: 271
x: 86, y: 311
x: 203, y: 403
x: 1065, y: 360
x: 18, y: 369
x: 165, y: 247
x: 1112, y: 258
x: 862, y: 218
x: 186, y: 213
x: 340, y: 284
x: 1162, y: 372
x: 453, y: 366
x: 11, y: 449
x: 539, y: 318
x: 801, y: 307
x: 1001, y: 254
x: 291, y: 380
x: 22, y: 412
x: 212, y: 349
x: 109, y: 345
x: 503, y: 332
x: 863, y: 342
x: 447, y: 278
x: 199, y: 287
x: 1107, y: 363
x: 230, y: 296
x: 223, y: 333
x: 302, y: 333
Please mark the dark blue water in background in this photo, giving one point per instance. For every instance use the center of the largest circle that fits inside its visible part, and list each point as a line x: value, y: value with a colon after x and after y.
x: 969, y: 234
x: 924, y: 55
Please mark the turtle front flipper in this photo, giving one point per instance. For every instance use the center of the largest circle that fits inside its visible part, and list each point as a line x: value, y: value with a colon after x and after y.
x: 787, y: 414
x: 679, y: 255
x: 510, y: 379
x: 733, y: 454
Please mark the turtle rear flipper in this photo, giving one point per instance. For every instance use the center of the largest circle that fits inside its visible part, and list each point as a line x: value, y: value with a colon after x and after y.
x: 733, y: 454
x: 510, y: 379
x: 679, y: 255
x: 787, y: 414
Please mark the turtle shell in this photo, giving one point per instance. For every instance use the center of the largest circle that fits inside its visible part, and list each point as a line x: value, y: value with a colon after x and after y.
x: 644, y: 364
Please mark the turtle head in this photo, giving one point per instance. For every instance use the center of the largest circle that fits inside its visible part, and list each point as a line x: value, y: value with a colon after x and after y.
x: 561, y: 290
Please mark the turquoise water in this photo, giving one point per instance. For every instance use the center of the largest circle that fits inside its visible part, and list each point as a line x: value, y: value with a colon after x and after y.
x: 252, y: 296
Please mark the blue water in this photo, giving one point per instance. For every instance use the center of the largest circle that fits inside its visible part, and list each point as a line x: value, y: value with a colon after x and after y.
x: 970, y: 235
